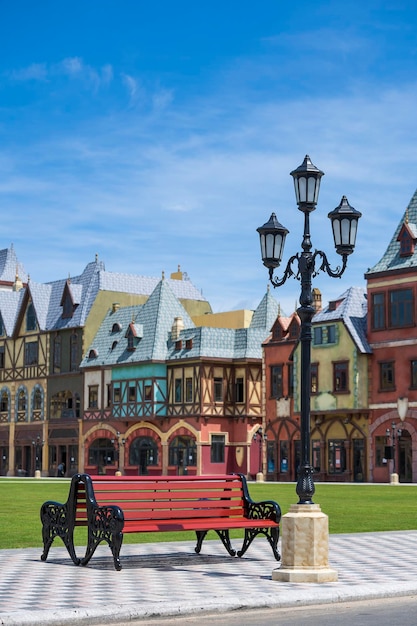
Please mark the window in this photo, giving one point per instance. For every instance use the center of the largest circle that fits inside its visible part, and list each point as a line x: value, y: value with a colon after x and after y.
x: 57, y: 354
x: 178, y: 390
x: 380, y: 458
x: 30, y: 318
x: 378, y: 311
x: 31, y: 353
x: 239, y: 390
x: 218, y: 389
x: 116, y: 395
x: 182, y: 452
x: 132, y: 392
x: 341, y: 376
x: 324, y: 335
x: 21, y: 401
x: 188, y: 389
x: 4, y: 402
x: 108, y: 395
x: 271, y: 456
x: 101, y: 453
x: 314, y: 373
x: 413, y: 375
x: 143, y: 452
x: 148, y: 392
x: 316, y: 454
x: 37, y: 400
x: 283, y: 457
x: 1, y: 357
x: 401, y: 308
x: 290, y: 379
x: 1, y: 325
x: 217, y: 448
x: 74, y: 357
x: 337, y: 456
x: 277, y: 390
x: 93, y: 396
x: 386, y: 376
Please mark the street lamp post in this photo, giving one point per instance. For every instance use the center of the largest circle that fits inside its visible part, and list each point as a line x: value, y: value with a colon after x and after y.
x: 304, y: 266
x: 120, y: 441
x: 260, y: 437
x: 393, y: 436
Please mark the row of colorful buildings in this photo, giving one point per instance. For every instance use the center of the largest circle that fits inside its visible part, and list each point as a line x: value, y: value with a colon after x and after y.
x: 107, y: 371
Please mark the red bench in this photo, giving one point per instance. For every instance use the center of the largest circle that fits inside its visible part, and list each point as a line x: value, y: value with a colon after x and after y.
x: 113, y: 505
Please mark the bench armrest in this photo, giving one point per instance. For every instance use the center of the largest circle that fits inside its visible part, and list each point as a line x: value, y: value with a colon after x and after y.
x: 105, y: 519
x: 268, y: 509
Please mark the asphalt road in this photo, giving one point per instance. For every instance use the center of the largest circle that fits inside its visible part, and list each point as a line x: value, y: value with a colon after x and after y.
x: 386, y: 612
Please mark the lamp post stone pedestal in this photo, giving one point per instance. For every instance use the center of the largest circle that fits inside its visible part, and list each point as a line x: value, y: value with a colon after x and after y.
x: 305, y: 529
x: 305, y: 546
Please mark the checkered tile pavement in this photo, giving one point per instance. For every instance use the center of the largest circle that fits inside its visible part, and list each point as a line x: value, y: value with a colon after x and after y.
x: 169, y: 578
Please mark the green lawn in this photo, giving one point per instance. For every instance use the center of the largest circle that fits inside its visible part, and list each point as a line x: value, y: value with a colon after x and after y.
x: 351, y: 508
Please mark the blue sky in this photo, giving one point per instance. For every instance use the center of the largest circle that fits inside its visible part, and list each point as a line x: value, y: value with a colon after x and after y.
x: 162, y: 133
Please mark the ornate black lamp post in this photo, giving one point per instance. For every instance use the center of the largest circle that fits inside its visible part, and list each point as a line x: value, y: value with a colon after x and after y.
x: 120, y: 441
x: 393, y: 436
x: 260, y: 437
x: 37, y: 449
x: 344, y: 219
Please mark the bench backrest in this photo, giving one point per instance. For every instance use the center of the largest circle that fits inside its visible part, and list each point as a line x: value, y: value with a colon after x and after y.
x: 162, y: 497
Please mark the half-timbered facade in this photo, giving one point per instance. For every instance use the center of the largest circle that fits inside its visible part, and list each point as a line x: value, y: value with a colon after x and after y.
x: 180, y: 398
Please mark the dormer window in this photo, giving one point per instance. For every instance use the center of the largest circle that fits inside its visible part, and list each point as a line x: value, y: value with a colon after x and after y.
x: 188, y: 344
x: 133, y: 335
x: 116, y: 328
x: 277, y: 332
x: 407, y: 240
x: 93, y: 354
x: 30, y: 318
x: 178, y: 344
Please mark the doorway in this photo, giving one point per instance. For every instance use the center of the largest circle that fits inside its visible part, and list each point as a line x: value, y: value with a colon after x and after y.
x: 405, y: 458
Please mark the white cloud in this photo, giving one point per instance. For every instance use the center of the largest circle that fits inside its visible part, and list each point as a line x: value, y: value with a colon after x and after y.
x: 35, y: 71
x: 131, y: 85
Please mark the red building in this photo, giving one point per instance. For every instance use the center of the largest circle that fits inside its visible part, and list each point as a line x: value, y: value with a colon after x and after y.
x: 392, y: 334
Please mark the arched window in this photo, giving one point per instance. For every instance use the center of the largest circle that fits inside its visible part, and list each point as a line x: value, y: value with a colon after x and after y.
x: 37, y: 403
x: 143, y: 452
x: 182, y: 452
x: 4, y: 405
x: 21, y: 404
x: 101, y: 453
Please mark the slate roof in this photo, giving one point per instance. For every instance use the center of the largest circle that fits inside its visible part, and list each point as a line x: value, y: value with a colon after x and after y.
x: 9, y: 266
x: 266, y: 312
x: 130, y: 283
x: 391, y: 259
x: 153, y: 321
x: 10, y: 302
x: 156, y: 317
x: 49, y: 298
x: 352, y: 311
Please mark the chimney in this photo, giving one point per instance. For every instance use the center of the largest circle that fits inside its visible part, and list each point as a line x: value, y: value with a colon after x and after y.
x: 177, y: 327
x: 316, y: 293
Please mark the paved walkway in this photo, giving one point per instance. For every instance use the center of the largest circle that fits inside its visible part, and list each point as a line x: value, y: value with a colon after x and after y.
x: 170, y: 579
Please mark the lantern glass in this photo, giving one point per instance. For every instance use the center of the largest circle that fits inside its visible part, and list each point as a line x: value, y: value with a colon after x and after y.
x: 272, y: 238
x: 345, y: 225
x: 307, y: 184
